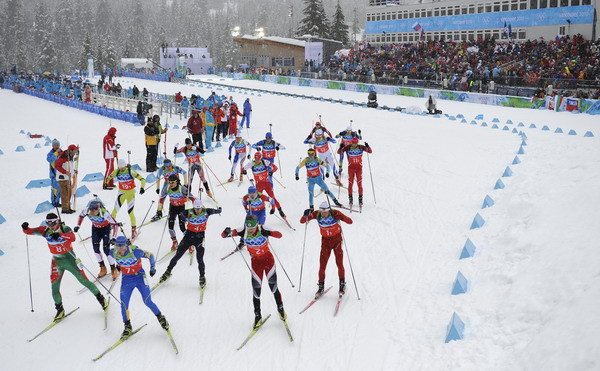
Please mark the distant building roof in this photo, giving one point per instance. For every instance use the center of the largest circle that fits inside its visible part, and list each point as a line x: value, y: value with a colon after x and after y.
x: 134, y: 60
x: 271, y: 39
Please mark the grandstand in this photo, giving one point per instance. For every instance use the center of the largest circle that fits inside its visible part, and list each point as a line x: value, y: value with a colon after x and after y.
x: 405, y: 21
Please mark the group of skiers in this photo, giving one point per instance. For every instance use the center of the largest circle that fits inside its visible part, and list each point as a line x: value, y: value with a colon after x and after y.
x: 126, y: 257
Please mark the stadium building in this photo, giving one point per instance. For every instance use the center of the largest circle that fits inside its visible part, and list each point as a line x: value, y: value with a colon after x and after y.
x: 397, y: 21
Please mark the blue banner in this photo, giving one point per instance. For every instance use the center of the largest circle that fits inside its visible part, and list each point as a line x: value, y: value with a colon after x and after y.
x: 518, y: 18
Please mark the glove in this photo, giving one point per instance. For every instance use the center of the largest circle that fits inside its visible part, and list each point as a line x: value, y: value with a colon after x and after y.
x: 142, y: 191
x: 306, y: 213
x: 175, y: 150
x: 229, y: 158
x: 157, y: 192
x: 244, y: 171
x: 152, y: 271
x: 248, y: 157
x: 358, y: 131
x: 366, y: 144
x: 111, y: 241
x: 25, y: 226
x: 227, y: 232
x: 76, y: 229
x: 272, y: 211
x: 297, y: 177
x: 270, y: 173
x: 118, y: 146
x: 201, y: 151
x: 265, y: 233
x: 55, y: 236
x: 78, y: 261
x: 239, y: 246
x: 341, y: 145
x: 219, y: 209
x: 277, y: 148
x: 326, y: 175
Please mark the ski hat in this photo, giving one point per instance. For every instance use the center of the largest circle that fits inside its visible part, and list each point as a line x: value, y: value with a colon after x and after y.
x: 324, y: 205
x: 319, y: 132
x: 317, y: 123
x: 121, y: 241
x: 51, y: 217
x: 238, y: 135
x: 355, y: 140
x: 257, y: 156
x: 198, y: 204
x: 55, y: 142
x: 94, y: 205
x: 269, y: 135
x: 167, y: 162
x: 252, y: 189
x: 72, y: 147
x: 112, y: 131
x: 173, y: 178
x: 349, y: 128
x: 311, y: 151
x: 121, y: 163
x: 251, y: 221
x: 188, y: 141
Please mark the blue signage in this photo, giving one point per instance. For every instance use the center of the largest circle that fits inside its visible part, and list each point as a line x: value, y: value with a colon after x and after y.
x: 518, y: 18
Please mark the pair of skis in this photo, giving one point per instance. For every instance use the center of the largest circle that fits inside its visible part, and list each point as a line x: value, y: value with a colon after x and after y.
x: 313, y: 301
x: 121, y: 341
x: 262, y: 322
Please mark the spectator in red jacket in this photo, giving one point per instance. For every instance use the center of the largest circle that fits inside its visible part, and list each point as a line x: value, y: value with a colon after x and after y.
x: 109, y: 151
x: 195, y: 127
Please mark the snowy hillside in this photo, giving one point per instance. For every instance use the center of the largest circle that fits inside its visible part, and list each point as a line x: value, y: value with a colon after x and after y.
x: 533, y: 288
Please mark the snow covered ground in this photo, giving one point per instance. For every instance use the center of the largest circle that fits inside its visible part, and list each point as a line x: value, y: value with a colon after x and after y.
x: 533, y: 282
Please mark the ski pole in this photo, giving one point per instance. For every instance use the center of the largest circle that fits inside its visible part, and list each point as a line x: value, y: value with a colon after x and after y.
x: 347, y: 253
x: 302, y: 262
x: 143, y: 220
x: 284, y: 187
x: 282, y: 267
x: 279, y: 163
x: 129, y: 158
x: 92, y: 274
x: 371, y: 175
x: 162, y: 236
x: 84, y: 247
x: 240, y: 250
x: 213, y: 173
x: 29, y: 272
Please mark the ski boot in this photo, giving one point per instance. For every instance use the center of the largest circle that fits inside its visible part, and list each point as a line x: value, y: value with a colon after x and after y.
x: 360, y: 200
x: 281, y: 213
x: 165, y: 276
x: 257, y: 319
x: 102, y: 301
x: 157, y: 216
x: 60, y: 312
x: 127, y: 332
x: 102, y: 272
x: 174, y: 245
x: 337, y: 203
x: 163, y: 321
x: 114, y: 272
x: 320, y: 290
x: 272, y: 211
x: 282, y: 314
x: 350, y: 200
x: 133, y: 232
x: 342, y: 287
x: 202, y: 281
x: 230, y: 179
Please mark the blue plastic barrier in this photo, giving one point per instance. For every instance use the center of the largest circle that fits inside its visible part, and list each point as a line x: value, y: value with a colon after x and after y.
x: 93, y: 177
x: 2, y: 220
x: 43, y: 207
x: 516, y: 161
x: 588, y: 134
x: 484, y: 124
x: 82, y: 191
x: 455, y: 329
x: 507, y: 172
x: 499, y: 184
x: 20, y: 149
x: 460, y: 284
x: 478, y: 222
x: 494, y: 126
x: 532, y: 126
x: 39, y: 183
x: 572, y: 132
x: 545, y: 128
x: 468, y: 250
x: 487, y: 202
x: 558, y: 131
x: 151, y: 178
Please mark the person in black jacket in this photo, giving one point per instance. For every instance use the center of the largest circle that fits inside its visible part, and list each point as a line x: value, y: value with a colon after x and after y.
x: 152, y: 132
